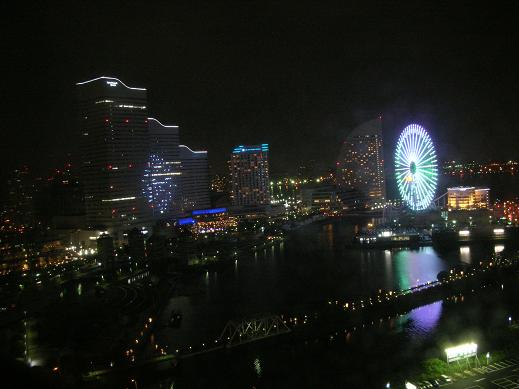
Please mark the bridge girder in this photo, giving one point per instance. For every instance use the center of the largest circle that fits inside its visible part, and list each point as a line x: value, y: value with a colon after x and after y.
x: 250, y: 330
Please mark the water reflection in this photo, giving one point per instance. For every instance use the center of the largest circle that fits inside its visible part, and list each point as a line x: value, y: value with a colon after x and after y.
x: 414, y: 267
x: 465, y: 255
x: 421, y: 321
x: 257, y: 367
x: 388, y: 267
x: 298, y: 275
x: 327, y: 235
x: 295, y: 277
x: 426, y: 318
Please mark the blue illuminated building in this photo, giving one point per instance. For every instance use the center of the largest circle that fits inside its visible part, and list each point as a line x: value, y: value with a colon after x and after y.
x: 264, y: 147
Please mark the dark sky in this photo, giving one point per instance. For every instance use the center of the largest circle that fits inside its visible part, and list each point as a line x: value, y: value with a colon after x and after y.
x: 299, y: 78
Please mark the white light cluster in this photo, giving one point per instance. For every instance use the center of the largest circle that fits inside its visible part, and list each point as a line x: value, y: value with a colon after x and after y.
x: 119, y: 199
x: 111, y: 81
x: 158, y: 184
x: 465, y: 350
x: 131, y: 106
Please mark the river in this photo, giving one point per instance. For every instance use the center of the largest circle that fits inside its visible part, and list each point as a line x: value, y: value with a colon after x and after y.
x: 314, y: 265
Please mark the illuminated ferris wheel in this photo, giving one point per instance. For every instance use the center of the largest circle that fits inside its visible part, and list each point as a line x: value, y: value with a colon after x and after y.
x: 416, y: 167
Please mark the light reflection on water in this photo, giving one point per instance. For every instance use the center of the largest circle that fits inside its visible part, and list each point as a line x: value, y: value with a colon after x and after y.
x: 415, y: 267
x: 498, y: 248
x: 421, y: 321
x: 465, y: 255
x: 316, y: 264
x: 311, y: 266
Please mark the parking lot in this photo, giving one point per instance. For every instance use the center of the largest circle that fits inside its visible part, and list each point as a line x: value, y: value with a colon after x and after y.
x: 503, y: 374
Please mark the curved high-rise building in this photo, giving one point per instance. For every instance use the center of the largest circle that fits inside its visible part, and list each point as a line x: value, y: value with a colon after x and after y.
x: 194, y: 180
x: 114, y: 148
x: 360, y: 167
x: 162, y: 176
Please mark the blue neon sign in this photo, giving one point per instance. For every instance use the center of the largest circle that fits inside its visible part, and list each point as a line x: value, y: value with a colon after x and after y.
x: 249, y: 149
x: 210, y: 211
x: 186, y: 220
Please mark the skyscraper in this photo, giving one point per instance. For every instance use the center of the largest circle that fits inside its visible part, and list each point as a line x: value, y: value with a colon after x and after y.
x: 162, y: 173
x: 18, y: 203
x: 360, y: 166
x: 115, y: 149
x: 194, y: 180
x: 64, y: 201
x: 249, y: 168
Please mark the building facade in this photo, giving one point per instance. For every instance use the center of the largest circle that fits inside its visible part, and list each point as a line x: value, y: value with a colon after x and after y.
x: 360, y: 167
x: 66, y: 204
x: 17, y: 203
x: 322, y: 197
x: 467, y: 198
x: 105, y: 250
x: 249, y: 170
x: 136, y: 249
x: 114, y: 150
x: 194, y: 179
x: 162, y: 174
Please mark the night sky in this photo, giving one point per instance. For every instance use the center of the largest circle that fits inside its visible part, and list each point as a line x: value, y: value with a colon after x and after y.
x: 299, y: 78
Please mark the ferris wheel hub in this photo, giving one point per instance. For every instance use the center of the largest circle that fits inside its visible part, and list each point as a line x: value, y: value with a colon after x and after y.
x: 412, y: 167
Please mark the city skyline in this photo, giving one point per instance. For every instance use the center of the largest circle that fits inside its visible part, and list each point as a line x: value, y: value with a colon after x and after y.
x: 260, y: 195
x: 321, y: 99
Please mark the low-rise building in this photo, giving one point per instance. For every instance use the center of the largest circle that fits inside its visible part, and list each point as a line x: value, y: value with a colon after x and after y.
x: 467, y: 198
x: 319, y: 197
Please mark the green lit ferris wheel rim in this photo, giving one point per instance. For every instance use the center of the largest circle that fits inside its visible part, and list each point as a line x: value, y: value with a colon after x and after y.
x: 416, y: 167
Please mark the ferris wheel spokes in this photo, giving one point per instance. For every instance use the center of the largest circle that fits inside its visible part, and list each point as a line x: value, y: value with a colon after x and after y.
x: 416, y: 167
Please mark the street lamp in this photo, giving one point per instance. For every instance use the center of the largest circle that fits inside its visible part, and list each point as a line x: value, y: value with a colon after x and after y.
x: 388, y: 385
x: 26, y: 340
x: 488, y: 357
x: 509, y: 320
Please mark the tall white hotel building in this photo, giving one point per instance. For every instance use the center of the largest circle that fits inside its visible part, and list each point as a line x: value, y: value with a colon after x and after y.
x: 114, y: 151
